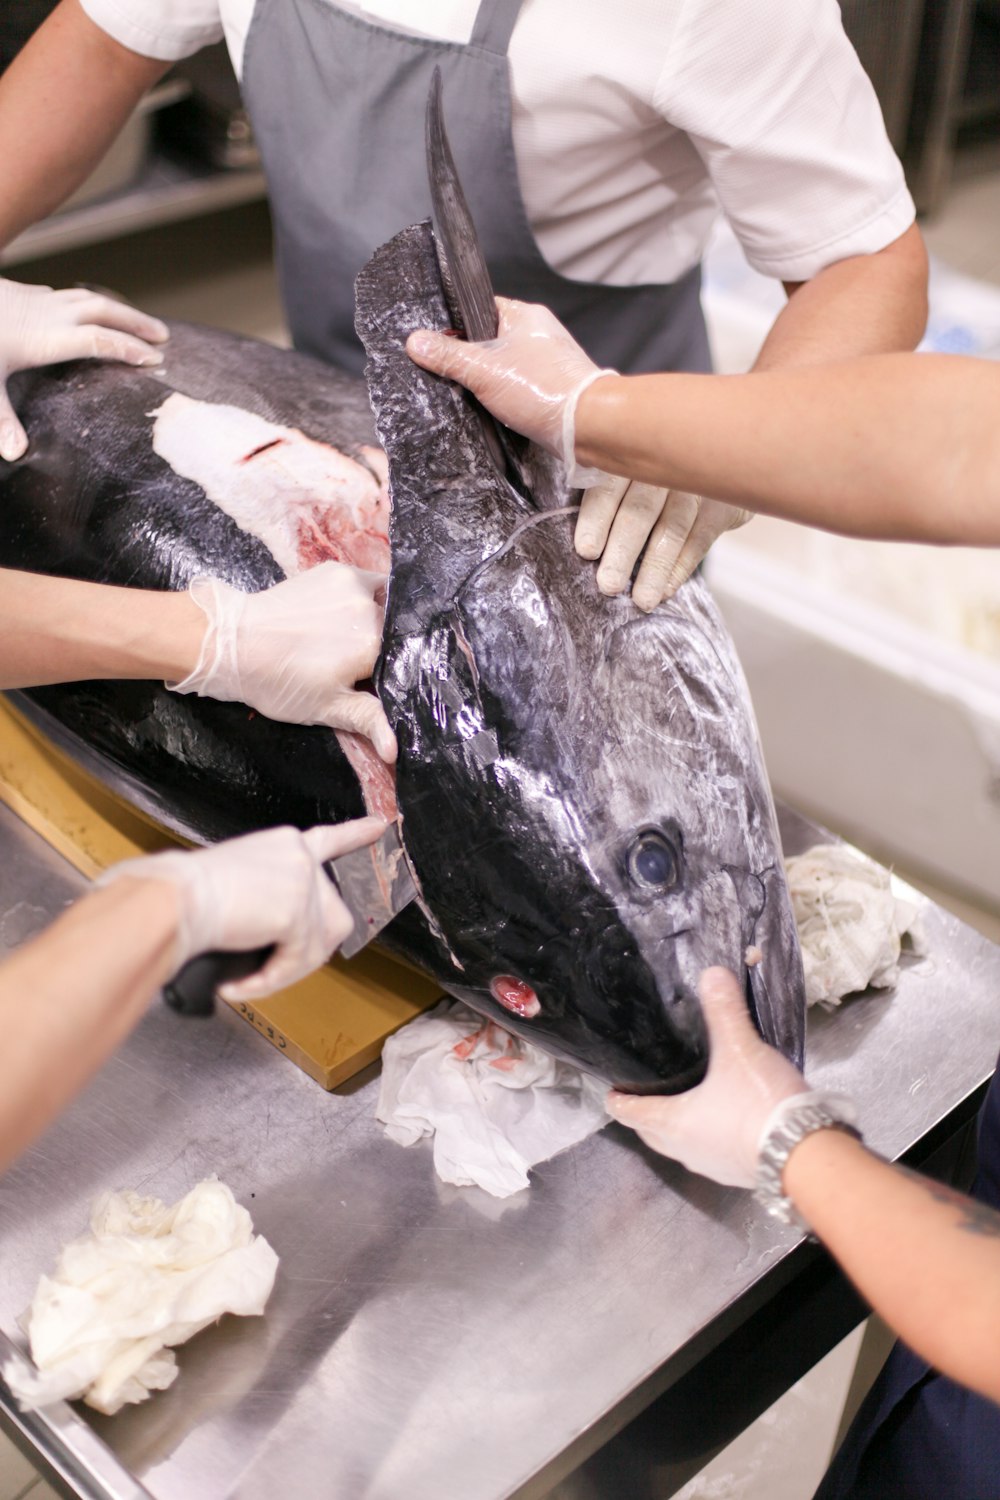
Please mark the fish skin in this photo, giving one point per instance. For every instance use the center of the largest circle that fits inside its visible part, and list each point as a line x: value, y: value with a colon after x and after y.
x: 511, y: 682
x: 550, y: 727
x: 91, y: 499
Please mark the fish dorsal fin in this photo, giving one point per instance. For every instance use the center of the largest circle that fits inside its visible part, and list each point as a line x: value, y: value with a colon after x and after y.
x: 468, y: 288
x: 450, y: 507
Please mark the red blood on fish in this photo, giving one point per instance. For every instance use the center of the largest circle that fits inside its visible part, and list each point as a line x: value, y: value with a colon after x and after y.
x: 515, y: 995
x: 351, y: 526
x: 325, y: 535
x: 378, y: 781
x: 263, y: 448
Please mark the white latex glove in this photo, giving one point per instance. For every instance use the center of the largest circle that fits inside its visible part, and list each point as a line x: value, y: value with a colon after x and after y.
x: 41, y: 327
x: 530, y: 376
x: 264, y: 888
x: 295, y: 651
x: 716, y: 1129
x: 622, y: 520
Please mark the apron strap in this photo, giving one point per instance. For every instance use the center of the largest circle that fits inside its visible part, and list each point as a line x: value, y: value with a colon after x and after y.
x: 495, y: 22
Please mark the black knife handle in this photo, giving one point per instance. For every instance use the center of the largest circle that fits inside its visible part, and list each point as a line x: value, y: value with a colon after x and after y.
x: 191, y: 992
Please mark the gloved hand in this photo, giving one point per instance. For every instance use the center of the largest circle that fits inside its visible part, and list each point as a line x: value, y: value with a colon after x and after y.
x: 716, y: 1129
x: 530, y: 376
x: 623, y: 519
x: 295, y: 651
x: 265, y: 888
x: 41, y: 327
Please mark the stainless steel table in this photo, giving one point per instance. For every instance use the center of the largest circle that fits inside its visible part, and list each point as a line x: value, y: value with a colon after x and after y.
x: 430, y: 1343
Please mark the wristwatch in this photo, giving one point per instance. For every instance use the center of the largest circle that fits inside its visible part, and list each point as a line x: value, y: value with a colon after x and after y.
x: 786, y: 1126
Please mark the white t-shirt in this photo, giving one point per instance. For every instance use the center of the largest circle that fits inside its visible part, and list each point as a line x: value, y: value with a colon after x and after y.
x: 634, y: 119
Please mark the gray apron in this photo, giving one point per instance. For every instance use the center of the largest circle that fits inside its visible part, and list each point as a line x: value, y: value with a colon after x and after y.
x: 337, y: 105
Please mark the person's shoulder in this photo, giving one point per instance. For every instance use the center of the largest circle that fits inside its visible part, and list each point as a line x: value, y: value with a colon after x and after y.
x: 758, y: 54
x: 165, y: 29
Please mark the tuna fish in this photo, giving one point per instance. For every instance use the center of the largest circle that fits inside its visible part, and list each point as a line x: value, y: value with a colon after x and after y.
x: 581, y: 794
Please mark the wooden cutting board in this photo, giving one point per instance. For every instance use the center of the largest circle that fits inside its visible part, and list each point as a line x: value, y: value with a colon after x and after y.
x: 331, y: 1025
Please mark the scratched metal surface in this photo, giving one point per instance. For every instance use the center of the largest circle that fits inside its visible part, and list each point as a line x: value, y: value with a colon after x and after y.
x: 424, y: 1341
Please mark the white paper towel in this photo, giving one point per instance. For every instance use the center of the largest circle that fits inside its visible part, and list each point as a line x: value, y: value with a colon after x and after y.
x: 144, y: 1277
x: 850, y: 922
x: 494, y: 1104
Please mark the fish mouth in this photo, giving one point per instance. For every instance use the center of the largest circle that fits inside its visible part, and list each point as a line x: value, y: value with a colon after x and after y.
x: 672, y: 1058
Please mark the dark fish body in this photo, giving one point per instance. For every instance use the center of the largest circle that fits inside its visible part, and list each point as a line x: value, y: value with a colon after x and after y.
x: 91, y: 499
x: 582, y: 798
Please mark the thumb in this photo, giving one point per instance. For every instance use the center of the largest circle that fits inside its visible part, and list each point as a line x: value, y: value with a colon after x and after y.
x: 442, y: 354
x: 725, y: 1009
x: 628, y: 1108
x: 373, y: 583
x: 363, y: 713
x: 13, y: 438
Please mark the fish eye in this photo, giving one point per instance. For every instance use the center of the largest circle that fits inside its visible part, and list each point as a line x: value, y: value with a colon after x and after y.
x: 652, y: 861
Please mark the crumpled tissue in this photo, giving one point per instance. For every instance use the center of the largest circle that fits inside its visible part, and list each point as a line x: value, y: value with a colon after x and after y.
x: 850, y: 922
x: 145, y: 1277
x: 495, y: 1105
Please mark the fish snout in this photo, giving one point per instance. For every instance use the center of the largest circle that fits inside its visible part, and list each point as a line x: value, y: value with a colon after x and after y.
x: 684, y: 1015
x: 675, y: 1046
x: 669, y: 1035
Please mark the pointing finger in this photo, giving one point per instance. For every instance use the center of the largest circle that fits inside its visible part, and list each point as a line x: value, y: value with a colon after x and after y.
x: 328, y: 840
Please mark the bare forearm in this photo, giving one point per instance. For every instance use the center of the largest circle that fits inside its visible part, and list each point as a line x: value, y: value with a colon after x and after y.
x: 888, y: 446
x: 867, y: 304
x: 62, y: 102
x: 63, y: 630
x: 68, y: 998
x: 927, y: 1259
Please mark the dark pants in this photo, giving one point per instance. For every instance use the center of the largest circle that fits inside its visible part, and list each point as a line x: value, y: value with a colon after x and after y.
x: 919, y: 1436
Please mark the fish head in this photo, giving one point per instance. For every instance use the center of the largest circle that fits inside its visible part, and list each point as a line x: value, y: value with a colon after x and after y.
x: 583, y: 801
x: 587, y: 812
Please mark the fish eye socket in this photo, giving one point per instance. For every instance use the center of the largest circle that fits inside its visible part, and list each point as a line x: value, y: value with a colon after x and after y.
x: 652, y: 861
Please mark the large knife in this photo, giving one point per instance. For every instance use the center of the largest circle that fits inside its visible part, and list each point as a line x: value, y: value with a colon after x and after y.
x: 374, y: 884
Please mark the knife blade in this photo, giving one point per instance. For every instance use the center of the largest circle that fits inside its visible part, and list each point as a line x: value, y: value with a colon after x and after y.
x: 375, y: 884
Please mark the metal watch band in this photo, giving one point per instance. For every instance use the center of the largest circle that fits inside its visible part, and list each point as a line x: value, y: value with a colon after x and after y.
x: 792, y: 1122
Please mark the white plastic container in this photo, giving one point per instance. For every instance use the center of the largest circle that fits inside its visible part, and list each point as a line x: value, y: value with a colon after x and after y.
x: 887, y: 732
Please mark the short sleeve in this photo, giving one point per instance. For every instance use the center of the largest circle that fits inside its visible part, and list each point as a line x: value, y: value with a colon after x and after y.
x: 167, y: 29
x: 785, y: 119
